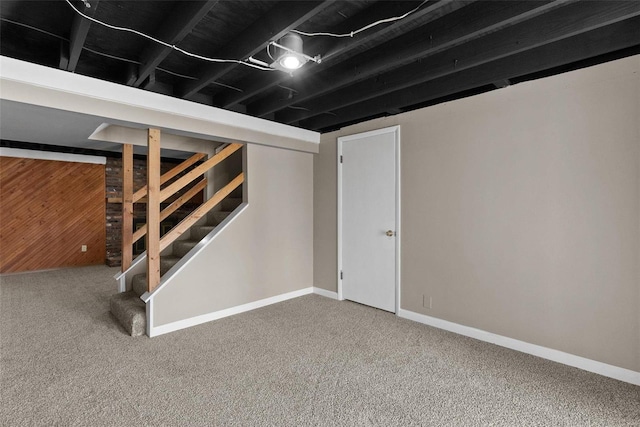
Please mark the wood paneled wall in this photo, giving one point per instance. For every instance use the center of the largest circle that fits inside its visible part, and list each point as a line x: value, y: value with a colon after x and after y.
x: 48, y: 210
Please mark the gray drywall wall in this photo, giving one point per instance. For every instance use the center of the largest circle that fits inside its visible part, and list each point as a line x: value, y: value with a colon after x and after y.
x: 267, y: 250
x: 520, y: 211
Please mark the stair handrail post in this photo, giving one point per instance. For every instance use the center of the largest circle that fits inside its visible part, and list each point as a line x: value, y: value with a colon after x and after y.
x: 153, y: 209
x: 127, y: 206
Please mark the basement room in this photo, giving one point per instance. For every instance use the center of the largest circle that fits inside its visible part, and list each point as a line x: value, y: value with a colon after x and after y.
x: 320, y: 213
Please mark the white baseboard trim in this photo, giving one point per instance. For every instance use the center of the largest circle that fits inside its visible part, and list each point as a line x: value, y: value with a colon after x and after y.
x: 154, y: 331
x: 325, y: 293
x: 596, y: 367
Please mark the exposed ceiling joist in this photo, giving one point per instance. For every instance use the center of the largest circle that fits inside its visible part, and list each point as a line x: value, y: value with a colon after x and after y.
x: 336, y: 50
x: 173, y: 30
x: 64, y: 55
x: 604, y: 40
x: 273, y: 25
x: 79, y: 31
x: 568, y: 21
x: 450, y: 31
x: 442, y: 50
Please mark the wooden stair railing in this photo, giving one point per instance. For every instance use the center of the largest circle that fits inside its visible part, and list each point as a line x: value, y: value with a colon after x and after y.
x: 170, y: 174
x: 155, y: 195
x: 200, y: 211
x: 164, y: 214
x: 129, y: 198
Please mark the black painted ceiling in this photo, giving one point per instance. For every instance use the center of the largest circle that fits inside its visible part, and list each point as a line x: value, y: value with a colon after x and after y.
x: 443, y: 50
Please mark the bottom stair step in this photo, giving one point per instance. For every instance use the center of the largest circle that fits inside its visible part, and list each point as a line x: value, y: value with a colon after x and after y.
x: 130, y: 311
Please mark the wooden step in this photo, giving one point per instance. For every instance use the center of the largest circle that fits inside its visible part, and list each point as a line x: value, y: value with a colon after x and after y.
x: 130, y: 311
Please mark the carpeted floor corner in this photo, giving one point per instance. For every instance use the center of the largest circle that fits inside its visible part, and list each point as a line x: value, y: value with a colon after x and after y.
x: 310, y: 361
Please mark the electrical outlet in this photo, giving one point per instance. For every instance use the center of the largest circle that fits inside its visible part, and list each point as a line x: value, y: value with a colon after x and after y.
x: 427, y: 302
x: 83, y: 248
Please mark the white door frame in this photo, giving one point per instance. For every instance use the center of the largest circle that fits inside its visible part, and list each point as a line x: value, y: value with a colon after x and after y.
x: 395, y: 130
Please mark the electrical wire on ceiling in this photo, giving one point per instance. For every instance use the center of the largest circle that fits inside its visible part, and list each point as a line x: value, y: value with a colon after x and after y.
x: 171, y: 46
x: 132, y: 61
x: 248, y: 62
x: 33, y: 28
x: 107, y: 55
x: 366, y: 27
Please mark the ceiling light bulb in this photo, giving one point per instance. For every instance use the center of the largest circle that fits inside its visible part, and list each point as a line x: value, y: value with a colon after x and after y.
x: 290, y: 62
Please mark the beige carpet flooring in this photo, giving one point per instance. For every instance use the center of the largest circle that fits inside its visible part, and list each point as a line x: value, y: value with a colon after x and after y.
x: 308, y: 361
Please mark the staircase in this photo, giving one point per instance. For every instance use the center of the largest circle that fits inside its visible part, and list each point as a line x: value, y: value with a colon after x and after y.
x: 127, y: 307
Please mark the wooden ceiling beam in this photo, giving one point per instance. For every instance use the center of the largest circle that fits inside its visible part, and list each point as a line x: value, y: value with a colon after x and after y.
x: 64, y: 55
x: 336, y: 50
x: 175, y: 27
x: 79, y: 31
x: 601, y: 41
x: 468, y: 24
x: 282, y: 18
x: 566, y: 22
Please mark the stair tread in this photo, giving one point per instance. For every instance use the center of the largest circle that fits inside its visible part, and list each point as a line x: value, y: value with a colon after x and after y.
x: 200, y: 231
x: 207, y: 227
x: 218, y: 216
x: 186, y: 242
x: 182, y: 247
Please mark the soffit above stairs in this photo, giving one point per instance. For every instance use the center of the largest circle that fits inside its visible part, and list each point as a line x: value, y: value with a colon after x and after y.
x: 45, y: 87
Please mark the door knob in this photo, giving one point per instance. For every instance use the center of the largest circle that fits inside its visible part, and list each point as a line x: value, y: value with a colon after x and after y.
x: 390, y: 233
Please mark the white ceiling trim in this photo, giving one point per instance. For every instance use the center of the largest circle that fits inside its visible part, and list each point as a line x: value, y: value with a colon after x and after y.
x: 50, y: 155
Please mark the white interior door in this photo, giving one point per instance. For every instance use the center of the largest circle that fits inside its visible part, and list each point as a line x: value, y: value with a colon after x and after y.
x: 367, y: 220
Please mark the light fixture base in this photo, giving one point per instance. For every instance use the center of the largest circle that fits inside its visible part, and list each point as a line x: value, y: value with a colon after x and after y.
x: 290, y: 56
